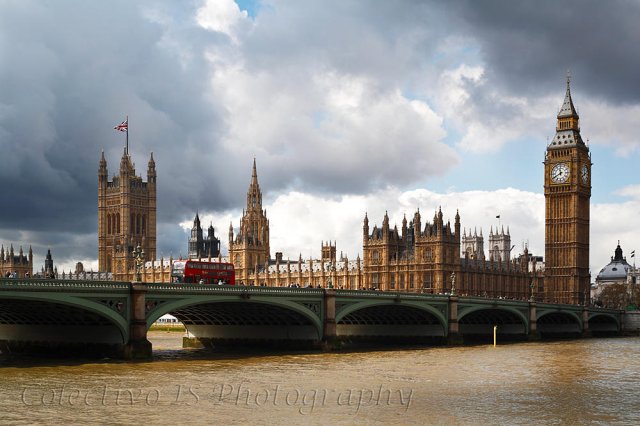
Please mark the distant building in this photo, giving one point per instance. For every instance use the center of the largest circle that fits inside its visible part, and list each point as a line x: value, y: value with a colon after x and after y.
x: 615, y: 272
x: 473, y: 245
x: 49, y: 270
x: 200, y: 246
x: 16, y: 266
x: 500, y: 245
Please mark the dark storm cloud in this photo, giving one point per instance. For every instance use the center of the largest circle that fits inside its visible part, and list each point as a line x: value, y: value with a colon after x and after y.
x: 528, y: 45
x: 70, y: 71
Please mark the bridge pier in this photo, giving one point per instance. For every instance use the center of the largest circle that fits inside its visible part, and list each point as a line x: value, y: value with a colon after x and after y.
x: 138, y: 347
x: 453, y: 335
x: 329, y: 330
x: 586, y: 332
x: 533, y: 333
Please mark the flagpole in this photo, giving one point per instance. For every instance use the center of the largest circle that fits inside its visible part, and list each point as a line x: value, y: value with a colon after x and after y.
x: 127, y: 135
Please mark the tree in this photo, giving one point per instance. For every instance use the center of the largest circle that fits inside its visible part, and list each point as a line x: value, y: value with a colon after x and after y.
x: 614, y: 296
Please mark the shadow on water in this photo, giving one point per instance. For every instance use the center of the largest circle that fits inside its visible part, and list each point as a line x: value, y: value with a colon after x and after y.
x: 167, y: 346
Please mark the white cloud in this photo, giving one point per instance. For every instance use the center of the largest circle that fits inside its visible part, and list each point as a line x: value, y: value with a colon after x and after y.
x: 223, y: 16
x: 299, y: 222
x: 631, y: 191
x: 339, y: 131
x: 616, y: 126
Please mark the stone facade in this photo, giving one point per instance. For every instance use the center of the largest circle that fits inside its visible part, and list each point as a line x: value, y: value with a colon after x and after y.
x: 415, y: 259
x: 567, y: 191
x: 17, y: 266
x: 126, y: 217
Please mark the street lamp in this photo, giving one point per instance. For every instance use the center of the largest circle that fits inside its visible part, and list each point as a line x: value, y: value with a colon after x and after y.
x: 138, y: 256
x: 532, y: 286
x: 332, y: 269
x: 453, y: 283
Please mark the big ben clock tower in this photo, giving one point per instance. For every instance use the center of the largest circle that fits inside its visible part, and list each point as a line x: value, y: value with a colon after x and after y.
x: 567, y: 191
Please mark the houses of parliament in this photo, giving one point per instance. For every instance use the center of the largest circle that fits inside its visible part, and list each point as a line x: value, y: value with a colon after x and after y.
x: 425, y: 255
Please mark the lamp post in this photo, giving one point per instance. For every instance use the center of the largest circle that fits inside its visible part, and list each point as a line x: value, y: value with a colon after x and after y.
x: 332, y: 269
x: 532, y: 286
x: 138, y: 256
x: 453, y: 283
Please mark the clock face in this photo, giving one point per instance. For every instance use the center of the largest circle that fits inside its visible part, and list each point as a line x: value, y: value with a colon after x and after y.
x: 584, y: 172
x: 560, y: 173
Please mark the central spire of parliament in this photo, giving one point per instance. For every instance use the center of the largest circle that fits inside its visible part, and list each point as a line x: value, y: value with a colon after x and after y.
x: 249, y: 249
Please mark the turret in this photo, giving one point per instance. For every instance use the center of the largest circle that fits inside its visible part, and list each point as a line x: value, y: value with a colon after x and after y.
x: 385, y: 226
x: 365, y: 228
x: 103, y: 173
x: 125, y: 165
x: 416, y: 223
x: 404, y: 226
x: 151, y: 172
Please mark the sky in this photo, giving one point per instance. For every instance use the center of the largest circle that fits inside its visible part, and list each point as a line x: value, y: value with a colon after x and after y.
x: 348, y: 107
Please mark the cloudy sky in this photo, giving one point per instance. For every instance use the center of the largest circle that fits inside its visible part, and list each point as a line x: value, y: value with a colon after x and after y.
x: 348, y: 107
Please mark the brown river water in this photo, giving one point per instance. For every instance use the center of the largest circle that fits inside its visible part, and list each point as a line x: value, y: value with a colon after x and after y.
x: 591, y: 381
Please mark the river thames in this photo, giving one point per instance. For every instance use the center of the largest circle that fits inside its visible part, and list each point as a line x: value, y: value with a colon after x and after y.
x: 593, y: 381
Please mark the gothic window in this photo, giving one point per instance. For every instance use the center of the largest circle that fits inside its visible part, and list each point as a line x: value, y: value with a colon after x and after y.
x: 392, y: 284
x: 426, y: 283
x: 375, y: 256
x: 118, y: 223
x: 109, y: 224
x: 253, y: 201
x: 496, y: 252
x: 132, y: 223
x: 411, y: 285
x: 144, y: 224
x: 401, y: 281
x: 375, y: 278
x: 237, y: 260
x: 426, y: 255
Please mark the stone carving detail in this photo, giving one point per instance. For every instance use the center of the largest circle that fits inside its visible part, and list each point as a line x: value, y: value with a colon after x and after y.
x: 151, y: 305
x: 118, y: 305
x: 313, y: 307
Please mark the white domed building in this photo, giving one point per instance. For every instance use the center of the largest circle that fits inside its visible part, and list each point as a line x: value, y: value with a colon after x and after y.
x: 615, y: 272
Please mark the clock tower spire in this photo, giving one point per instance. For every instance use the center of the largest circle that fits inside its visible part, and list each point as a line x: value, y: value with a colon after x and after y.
x: 567, y: 192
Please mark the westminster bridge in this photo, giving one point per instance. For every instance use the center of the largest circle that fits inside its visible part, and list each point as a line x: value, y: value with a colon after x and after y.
x: 112, y: 318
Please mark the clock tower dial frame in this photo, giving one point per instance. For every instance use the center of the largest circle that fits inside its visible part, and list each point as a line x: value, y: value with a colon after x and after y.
x: 567, y: 191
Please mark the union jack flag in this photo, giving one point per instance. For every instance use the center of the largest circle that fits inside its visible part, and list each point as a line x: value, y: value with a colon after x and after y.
x: 123, y: 127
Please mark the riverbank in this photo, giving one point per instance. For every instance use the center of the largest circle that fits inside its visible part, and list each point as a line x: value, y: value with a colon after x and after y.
x: 178, y: 328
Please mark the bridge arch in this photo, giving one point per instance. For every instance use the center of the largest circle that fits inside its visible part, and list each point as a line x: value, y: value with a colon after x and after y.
x: 559, y: 322
x: 603, y: 323
x: 54, y: 317
x: 480, y: 320
x: 229, y: 317
x: 382, y: 317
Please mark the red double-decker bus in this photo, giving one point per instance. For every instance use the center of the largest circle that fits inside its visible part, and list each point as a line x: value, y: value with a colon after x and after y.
x: 197, y: 271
